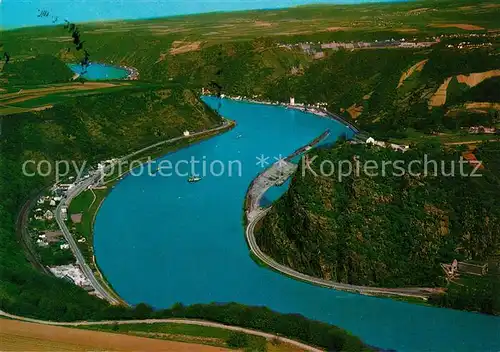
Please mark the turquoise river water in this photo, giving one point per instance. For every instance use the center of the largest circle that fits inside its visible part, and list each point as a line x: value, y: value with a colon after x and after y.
x: 162, y: 240
x: 97, y: 71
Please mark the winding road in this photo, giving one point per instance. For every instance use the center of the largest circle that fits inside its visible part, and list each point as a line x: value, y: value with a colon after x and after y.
x: 255, y: 213
x: 171, y: 321
x: 89, y: 274
x: 93, y: 179
x: 417, y: 292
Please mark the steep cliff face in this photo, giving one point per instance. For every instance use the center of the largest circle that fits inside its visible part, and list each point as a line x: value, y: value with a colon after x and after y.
x: 382, y: 230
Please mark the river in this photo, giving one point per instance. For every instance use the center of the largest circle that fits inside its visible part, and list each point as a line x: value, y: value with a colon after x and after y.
x: 162, y: 240
x: 98, y: 71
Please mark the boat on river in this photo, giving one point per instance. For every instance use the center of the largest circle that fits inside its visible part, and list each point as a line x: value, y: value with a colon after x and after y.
x: 194, y: 179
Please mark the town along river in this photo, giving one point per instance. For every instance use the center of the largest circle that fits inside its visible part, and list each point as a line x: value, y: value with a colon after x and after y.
x: 163, y: 240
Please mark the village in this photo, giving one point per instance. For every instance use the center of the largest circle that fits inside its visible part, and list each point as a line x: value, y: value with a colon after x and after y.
x: 317, y: 109
x: 483, y: 130
x: 320, y: 110
x: 319, y: 49
x: 52, y: 248
x: 316, y: 49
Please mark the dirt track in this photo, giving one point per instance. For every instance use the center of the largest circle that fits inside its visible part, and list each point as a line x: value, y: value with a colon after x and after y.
x: 22, y: 336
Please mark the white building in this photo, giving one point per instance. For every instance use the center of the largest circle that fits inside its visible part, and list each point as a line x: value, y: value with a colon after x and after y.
x: 292, y: 101
x: 64, y: 246
x: 48, y: 215
x: 397, y: 147
x: 400, y: 148
x: 186, y: 133
x: 64, y: 213
x: 41, y: 243
x: 65, y: 186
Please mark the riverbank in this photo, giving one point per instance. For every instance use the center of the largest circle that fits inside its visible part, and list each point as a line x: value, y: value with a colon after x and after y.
x: 254, y: 214
x: 204, y: 220
x: 315, y: 110
x: 404, y: 294
x: 86, y: 208
x: 129, y: 73
x: 142, y: 156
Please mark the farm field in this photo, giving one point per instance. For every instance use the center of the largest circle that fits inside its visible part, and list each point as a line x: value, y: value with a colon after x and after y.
x: 22, y: 336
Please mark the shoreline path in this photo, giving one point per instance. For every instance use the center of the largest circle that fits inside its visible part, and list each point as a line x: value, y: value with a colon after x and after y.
x: 275, y: 175
x: 106, y: 292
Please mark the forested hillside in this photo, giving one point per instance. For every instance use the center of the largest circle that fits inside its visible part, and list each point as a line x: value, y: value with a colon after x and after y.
x: 389, y: 231
x: 88, y: 128
x: 486, y: 91
x: 244, y: 54
x: 366, y: 79
x: 41, y: 69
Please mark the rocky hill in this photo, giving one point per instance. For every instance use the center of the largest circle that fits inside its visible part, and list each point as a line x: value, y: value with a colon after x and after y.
x: 391, y: 230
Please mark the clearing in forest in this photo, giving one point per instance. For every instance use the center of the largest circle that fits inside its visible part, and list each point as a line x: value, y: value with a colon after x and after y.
x: 417, y: 67
x: 439, y: 98
x: 474, y: 79
x: 180, y: 47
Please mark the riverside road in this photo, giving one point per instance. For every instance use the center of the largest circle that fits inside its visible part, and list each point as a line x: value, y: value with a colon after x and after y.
x: 255, y: 213
x: 94, y: 179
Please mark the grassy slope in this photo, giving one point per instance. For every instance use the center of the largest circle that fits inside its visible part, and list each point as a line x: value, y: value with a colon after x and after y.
x: 41, y: 69
x: 185, y: 333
